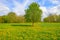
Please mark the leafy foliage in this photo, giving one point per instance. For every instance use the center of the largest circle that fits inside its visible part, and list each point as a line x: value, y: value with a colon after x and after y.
x: 33, y: 13
x: 52, y: 18
x: 12, y: 18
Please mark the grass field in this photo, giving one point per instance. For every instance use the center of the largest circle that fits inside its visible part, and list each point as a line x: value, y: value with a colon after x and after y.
x: 24, y: 31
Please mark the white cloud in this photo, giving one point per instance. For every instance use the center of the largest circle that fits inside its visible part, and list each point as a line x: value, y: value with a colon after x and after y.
x: 3, y: 9
x: 54, y: 10
x: 19, y: 8
x: 55, y: 1
x: 45, y: 12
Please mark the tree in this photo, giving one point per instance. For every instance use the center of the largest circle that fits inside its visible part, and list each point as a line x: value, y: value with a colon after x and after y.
x: 20, y: 19
x: 51, y: 18
x: 5, y: 18
x: 11, y: 17
x: 58, y: 18
x: 1, y: 19
x: 33, y: 13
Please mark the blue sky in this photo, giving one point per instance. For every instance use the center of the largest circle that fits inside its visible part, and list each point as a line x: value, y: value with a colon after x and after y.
x: 19, y: 6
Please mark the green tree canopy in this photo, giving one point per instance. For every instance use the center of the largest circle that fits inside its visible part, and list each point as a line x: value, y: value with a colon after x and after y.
x: 51, y: 18
x: 33, y: 13
x: 11, y: 17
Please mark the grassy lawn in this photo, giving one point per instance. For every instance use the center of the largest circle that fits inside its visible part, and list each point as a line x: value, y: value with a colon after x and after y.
x: 24, y: 31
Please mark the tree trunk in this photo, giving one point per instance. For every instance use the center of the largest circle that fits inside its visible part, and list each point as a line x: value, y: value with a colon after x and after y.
x: 32, y: 24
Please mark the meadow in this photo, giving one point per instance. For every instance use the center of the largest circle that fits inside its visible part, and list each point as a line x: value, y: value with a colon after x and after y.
x: 24, y: 31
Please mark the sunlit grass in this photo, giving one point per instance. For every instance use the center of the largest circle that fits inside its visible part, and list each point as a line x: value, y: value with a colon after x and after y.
x: 40, y: 31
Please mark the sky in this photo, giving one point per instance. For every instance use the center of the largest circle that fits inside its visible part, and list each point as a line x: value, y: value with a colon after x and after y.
x: 18, y: 6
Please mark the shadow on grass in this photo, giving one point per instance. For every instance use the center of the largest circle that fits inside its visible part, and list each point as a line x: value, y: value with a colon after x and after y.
x: 21, y: 25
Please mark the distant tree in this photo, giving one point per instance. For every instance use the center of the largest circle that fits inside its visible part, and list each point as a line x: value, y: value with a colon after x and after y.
x: 33, y: 13
x: 20, y: 19
x: 1, y: 19
x: 11, y: 17
x: 51, y: 18
x: 5, y: 19
x: 58, y: 18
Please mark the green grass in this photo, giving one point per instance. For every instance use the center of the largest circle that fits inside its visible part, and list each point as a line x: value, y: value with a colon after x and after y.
x: 24, y: 31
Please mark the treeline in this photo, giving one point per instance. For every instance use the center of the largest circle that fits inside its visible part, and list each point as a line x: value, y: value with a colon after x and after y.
x: 12, y: 18
x: 52, y: 18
